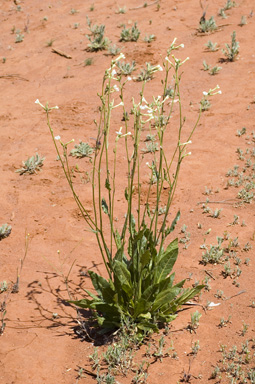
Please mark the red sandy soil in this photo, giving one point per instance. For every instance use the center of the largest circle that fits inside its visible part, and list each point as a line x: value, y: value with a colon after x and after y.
x: 35, y: 347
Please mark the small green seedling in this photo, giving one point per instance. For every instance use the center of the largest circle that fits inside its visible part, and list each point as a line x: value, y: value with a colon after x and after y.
x: 81, y: 150
x: 211, y: 46
x: 130, y: 34
x: 214, y: 70
x: 5, y: 231
x: 206, y: 66
x: 97, y: 40
x: 194, y: 323
x: 126, y: 68
x: 88, y: 62
x: 121, y: 10
x: 195, y: 347
x: 114, y: 50
x: 232, y: 50
x: 241, y: 132
x: 205, y: 104
x: 207, y: 25
x: 222, y: 13
x: 149, y: 38
x: 19, y: 37
x: 243, y: 21
x: 3, y: 285
x: 31, y: 165
x: 229, y: 4
x: 146, y: 74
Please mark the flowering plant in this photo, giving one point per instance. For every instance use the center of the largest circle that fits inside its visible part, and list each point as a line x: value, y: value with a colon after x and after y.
x: 140, y: 284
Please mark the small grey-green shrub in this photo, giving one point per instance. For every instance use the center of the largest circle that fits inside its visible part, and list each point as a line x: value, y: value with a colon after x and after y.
x: 5, y: 231
x: 31, y: 165
x: 114, y: 50
x: 211, y: 46
x: 149, y: 38
x: 81, y: 150
x: 232, y: 50
x: 126, y: 68
x: 207, y: 25
x: 130, y: 34
x: 147, y: 73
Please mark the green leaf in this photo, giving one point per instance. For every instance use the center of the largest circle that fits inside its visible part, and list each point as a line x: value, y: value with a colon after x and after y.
x: 84, y: 303
x: 165, y: 264
x: 107, y: 184
x: 145, y: 258
x: 102, y: 286
x: 118, y: 239
x: 188, y: 294
x: 126, y: 194
x: 105, y: 207
x: 122, y: 274
x: 174, y: 222
x: 165, y: 297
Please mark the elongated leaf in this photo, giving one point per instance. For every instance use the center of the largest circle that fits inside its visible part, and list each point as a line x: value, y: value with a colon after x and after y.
x: 174, y: 222
x: 141, y: 306
x: 118, y: 239
x: 189, y: 294
x: 145, y: 258
x: 105, y: 207
x: 102, y: 286
x: 165, y: 264
x: 165, y: 297
x: 84, y: 303
x: 123, y: 275
x: 107, y: 184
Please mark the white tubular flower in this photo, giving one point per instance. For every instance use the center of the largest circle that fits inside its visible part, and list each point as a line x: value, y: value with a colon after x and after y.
x: 129, y: 78
x: 115, y: 87
x: 38, y: 102
x: 57, y: 137
x: 46, y: 107
x: 119, y: 132
x: 121, y: 56
x: 174, y: 40
x: 158, y: 68
x: 212, y: 304
x: 187, y: 142
x: 114, y: 72
x: 118, y: 105
x: 143, y: 107
x: 184, y: 61
x: 213, y: 91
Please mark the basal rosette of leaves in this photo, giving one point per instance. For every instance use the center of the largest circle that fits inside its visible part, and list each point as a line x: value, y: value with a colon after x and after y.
x: 142, y: 288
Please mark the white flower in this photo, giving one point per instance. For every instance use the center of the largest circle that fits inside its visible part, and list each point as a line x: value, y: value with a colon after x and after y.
x: 118, y: 105
x: 212, y: 304
x: 181, y: 45
x: 159, y: 67
x: 119, y: 133
x: 205, y: 93
x: 57, y: 137
x: 129, y: 78
x: 116, y: 88
x: 114, y: 72
x: 220, y: 92
x: 143, y: 107
x: 38, y: 102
